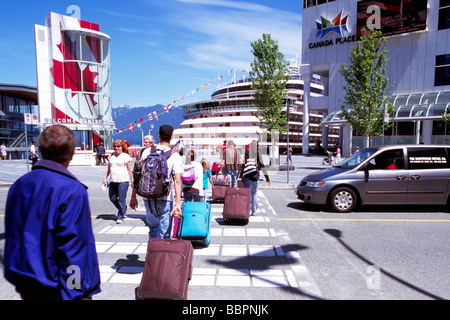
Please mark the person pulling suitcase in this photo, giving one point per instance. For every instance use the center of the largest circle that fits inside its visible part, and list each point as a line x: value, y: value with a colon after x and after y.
x: 249, y: 173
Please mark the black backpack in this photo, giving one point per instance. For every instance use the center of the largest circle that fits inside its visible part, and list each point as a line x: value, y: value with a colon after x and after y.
x: 150, y: 175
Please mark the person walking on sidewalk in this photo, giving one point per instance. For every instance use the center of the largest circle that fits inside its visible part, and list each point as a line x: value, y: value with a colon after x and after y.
x: 207, y: 176
x: 101, y: 159
x: 249, y: 172
x: 120, y: 168
x: 231, y: 159
x: 159, y: 212
x: 49, y: 243
x: 33, y: 155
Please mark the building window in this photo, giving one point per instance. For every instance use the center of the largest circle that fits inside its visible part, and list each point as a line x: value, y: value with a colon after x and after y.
x: 312, y: 3
x: 444, y: 14
x: 442, y: 71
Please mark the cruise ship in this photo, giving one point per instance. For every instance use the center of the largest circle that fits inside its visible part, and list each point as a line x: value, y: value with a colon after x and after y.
x: 230, y: 114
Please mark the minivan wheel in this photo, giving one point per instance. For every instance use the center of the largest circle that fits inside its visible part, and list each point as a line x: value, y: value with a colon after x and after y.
x: 343, y: 200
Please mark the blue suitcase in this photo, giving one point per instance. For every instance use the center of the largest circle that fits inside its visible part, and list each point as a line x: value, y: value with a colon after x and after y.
x: 196, y: 222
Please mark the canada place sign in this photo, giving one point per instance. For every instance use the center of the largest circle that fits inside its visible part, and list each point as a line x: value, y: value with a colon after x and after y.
x: 338, y: 26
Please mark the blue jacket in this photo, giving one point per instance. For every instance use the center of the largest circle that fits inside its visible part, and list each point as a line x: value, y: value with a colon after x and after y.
x: 49, y: 246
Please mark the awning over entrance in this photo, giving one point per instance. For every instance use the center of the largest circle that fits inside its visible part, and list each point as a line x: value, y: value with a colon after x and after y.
x: 410, y: 107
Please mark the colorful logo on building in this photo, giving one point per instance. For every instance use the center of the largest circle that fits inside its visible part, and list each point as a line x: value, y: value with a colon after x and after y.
x: 337, y: 26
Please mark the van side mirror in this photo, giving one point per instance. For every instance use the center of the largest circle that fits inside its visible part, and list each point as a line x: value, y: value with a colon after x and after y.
x: 366, y: 167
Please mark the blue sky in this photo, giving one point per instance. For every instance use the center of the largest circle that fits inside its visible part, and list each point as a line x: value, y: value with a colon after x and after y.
x: 160, y: 49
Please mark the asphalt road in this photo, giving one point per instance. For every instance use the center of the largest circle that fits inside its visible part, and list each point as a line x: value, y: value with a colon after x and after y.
x: 289, y: 251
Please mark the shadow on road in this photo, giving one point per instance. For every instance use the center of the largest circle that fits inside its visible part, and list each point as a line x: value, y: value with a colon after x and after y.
x: 337, y: 234
x: 266, y: 260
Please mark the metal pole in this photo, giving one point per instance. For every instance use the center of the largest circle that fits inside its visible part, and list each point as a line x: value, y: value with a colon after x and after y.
x: 26, y: 148
x: 287, y: 139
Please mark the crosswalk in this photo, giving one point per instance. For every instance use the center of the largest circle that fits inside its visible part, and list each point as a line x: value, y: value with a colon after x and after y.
x: 251, y: 256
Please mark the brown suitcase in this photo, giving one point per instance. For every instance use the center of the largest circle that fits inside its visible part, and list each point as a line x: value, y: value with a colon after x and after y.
x: 167, y: 270
x: 237, y: 204
x: 218, y: 192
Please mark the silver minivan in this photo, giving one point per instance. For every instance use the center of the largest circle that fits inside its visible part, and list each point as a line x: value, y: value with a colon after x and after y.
x: 391, y: 175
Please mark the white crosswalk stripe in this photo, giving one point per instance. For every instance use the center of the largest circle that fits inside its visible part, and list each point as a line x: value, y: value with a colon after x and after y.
x: 229, y: 261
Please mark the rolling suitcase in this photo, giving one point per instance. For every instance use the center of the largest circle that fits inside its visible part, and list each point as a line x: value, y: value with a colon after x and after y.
x: 167, y: 270
x: 237, y: 204
x: 218, y: 192
x: 196, y: 222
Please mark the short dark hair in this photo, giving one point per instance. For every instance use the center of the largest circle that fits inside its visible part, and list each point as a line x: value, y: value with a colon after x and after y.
x: 165, y: 133
x: 57, y: 143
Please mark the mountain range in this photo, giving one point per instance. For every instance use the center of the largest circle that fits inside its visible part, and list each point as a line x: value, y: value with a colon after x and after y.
x: 124, y: 115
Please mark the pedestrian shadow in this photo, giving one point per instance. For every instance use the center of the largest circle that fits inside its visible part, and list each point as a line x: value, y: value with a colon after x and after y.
x: 130, y: 265
x: 106, y: 217
x: 337, y: 234
x: 266, y: 260
x: 113, y: 217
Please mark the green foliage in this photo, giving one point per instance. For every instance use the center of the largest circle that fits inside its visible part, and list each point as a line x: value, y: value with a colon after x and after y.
x: 270, y: 74
x: 366, y: 85
x: 446, y: 117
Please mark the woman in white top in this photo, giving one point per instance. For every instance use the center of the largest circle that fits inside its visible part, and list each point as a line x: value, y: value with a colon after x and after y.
x: 120, y: 168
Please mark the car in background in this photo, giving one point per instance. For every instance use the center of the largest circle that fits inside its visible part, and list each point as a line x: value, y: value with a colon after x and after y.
x: 389, y: 175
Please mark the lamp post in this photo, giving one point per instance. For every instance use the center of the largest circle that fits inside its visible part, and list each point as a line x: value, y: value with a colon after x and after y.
x: 142, y: 133
x: 150, y: 130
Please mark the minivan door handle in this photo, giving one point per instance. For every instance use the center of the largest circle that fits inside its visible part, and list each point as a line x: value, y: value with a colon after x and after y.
x: 415, y: 177
x: 401, y: 177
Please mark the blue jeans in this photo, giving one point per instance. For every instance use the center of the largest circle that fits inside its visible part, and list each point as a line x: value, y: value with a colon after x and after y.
x: 118, y: 196
x: 233, y: 175
x: 158, y: 218
x: 253, y: 185
x: 192, y: 196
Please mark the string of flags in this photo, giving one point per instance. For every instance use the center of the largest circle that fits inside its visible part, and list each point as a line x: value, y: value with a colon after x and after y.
x: 166, y: 108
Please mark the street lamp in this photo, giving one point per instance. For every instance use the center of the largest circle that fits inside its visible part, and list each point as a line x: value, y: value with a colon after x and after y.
x: 150, y: 130
x: 142, y: 133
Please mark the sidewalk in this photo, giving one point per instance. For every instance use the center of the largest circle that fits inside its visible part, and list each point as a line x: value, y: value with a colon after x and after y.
x: 304, y: 165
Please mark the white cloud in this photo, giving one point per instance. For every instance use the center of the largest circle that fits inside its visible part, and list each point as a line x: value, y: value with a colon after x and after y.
x: 230, y: 4
x: 223, y: 36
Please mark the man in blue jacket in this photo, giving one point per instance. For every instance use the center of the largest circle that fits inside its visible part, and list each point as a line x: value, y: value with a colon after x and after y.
x: 50, y: 247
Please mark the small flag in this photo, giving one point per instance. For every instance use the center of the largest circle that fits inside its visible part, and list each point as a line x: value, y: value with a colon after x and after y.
x: 150, y: 117
x: 130, y: 126
x: 30, y: 118
x: 141, y: 120
x: 156, y: 116
x: 120, y: 130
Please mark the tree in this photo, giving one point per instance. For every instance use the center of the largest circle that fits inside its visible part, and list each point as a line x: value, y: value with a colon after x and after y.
x: 366, y: 85
x: 269, y: 76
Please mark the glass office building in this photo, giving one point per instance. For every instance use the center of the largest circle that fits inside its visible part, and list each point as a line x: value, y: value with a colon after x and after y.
x: 15, y: 100
x: 418, y: 68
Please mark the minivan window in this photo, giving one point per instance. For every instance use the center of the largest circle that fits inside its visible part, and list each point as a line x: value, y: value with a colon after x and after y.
x: 356, y: 159
x: 427, y: 158
x: 388, y: 160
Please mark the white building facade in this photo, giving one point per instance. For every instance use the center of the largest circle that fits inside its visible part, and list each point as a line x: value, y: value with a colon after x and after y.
x: 418, y: 68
